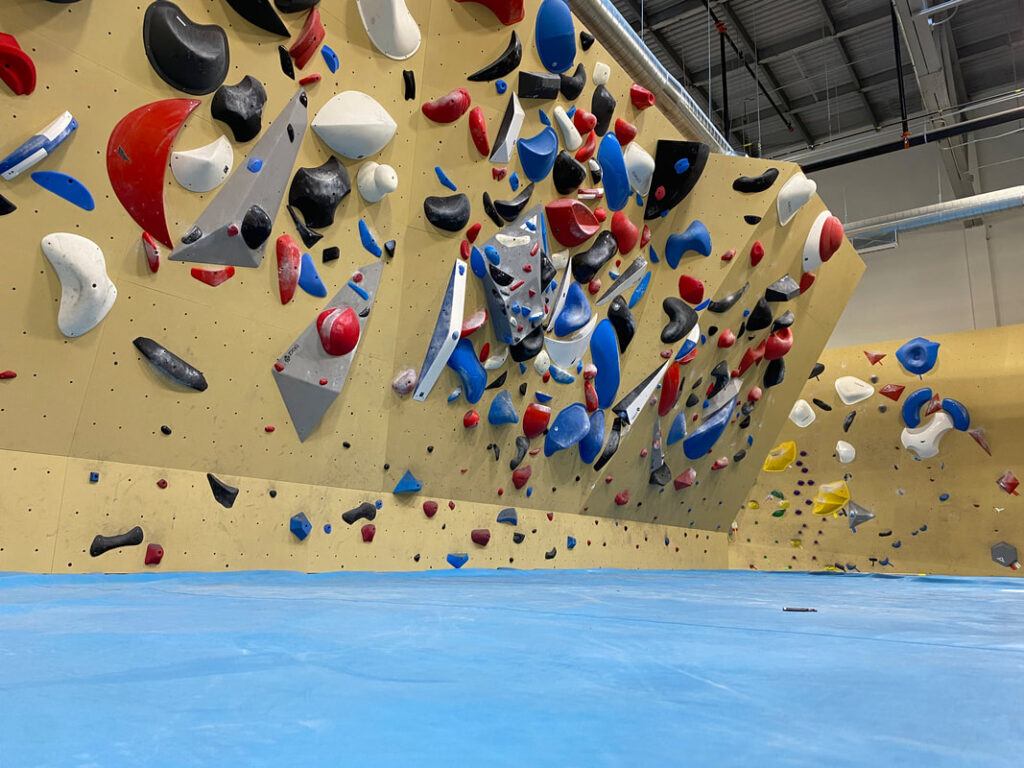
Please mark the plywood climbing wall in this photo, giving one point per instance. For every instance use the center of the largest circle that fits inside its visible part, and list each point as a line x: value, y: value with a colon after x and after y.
x: 94, y: 405
x: 936, y: 515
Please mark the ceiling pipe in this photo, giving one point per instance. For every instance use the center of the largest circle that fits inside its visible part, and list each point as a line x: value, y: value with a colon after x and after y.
x: 604, y: 21
x: 941, y: 213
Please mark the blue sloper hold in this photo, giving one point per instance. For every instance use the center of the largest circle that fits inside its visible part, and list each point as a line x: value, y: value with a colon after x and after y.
x: 443, y: 178
x: 575, y: 311
x: 957, y: 412
x: 695, y: 238
x: 509, y: 516
x: 555, y: 36
x: 367, y: 239
x: 300, y: 526
x: 68, y: 187
x: 640, y: 290
x: 513, y: 181
x: 537, y: 154
x: 457, y: 559
x: 916, y: 356
x: 476, y: 262
x: 613, y: 172
x: 255, y: 165
x: 408, y: 484
x: 542, y: 398
x: 502, y: 411
x: 706, y: 435
x: 569, y: 427
x: 466, y: 364
x: 570, y: 542
x: 492, y: 255
x: 678, y: 429
x: 654, y: 255
x: 330, y: 58
x: 592, y: 442
x: 500, y: 86
x: 309, y: 279
x: 544, y: 119
x: 604, y: 352
x: 560, y: 375
x: 912, y: 406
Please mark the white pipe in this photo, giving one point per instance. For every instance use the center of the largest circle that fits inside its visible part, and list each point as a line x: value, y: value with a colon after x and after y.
x: 941, y: 7
x: 929, y: 215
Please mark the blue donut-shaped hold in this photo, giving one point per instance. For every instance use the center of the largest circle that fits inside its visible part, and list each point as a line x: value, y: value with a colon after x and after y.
x: 913, y: 404
x: 957, y: 412
x: 918, y: 355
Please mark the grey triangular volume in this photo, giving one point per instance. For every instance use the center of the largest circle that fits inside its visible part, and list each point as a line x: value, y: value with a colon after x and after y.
x: 660, y: 473
x: 209, y: 241
x: 523, y: 293
x: 306, y: 364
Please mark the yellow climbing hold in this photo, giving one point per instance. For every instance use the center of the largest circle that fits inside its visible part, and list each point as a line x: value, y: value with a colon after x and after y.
x: 798, y: 543
x: 753, y: 505
x: 780, y: 457
x: 831, y: 498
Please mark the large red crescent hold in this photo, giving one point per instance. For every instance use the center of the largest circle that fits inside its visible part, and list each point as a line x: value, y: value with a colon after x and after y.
x: 16, y: 67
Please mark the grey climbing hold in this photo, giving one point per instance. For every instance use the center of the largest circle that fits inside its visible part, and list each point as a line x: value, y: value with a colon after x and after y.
x: 224, y: 494
x: 660, y: 473
x: 783, y: 289
x: 170, y: 364
x: 858, y: 515
x: 516, y: 305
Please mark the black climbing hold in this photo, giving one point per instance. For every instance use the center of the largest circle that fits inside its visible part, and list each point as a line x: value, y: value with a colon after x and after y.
x: 602, y: 104
x: 783, y: 321
x: 817, y: 370
x: 883, y: 408
x: 191, y: 236
x: 821, y: 404
x: 492, y: 214
x: 498, y: 382
x: 848, y: 421
x: 291, y: 131
x: 668, y: 158
x: 529, y: 347
x: 712, y: 330
x: 331, y: 253
x: 622, y: 321
x: 660, y: 476
x: 346, y: 443
x: 726, y: 303
x: 101, y: 544
x: 550, y: 554
x: 692, y: 400
x: 522, y: 389
x: 240, y: 107
x: 611, y: 445
x: 171, y: 366
x: 697, y: 383
x: 538, y: 85
x: 752, y: 220
x: 783, y: 289
x: 571, y: 86
x: 224, y: 494
x: 547, y: 271
x: 6, y: 206
x: 165, y: 429
x: 449, y: 213
x: 747, y: 408
x: 365, y: 511
x: 409, y: 84
x: 518, y: 537
x: 256, y: 226
x: 496, y: 449
x: 595, y: 171
x: 750, y: 184
x: 318, y: 191
x: 681, y: 319
x: 500, y: 277
x: 501, y: 66
x: 430, y: 448
x: 522, y: 446
x: 874, y: 379
x: 191, y: 57
x: 586, y: 264
x: 389, y: 249
x: 294, y: 6
x: 744, y: 422
x: 742, y: 329
x: 272, y: 493
x: 586, y: 40
x: 286, y: 61
x: 568, y: 173
x: 509, y: 210
x: 774, y: 373
x: 260, y: 13
x: 739, y: 455
x: 416, y: 557
x: 309, y: 237
x: 721, y: 375
x: 760, y: 316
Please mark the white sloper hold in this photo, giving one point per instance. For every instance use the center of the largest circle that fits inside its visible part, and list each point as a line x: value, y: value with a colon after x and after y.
x: 542, y: 362
x: 205, y: 168
x: 390, y: 27
x: 375, y: 180
x: 565, y: 353
x: 87, y: 294
x: 852, y: 390
x: 802, y: 414
x: 508, y: 131
x: 601, y: 73
x: 495, y: 361
x: 845, y: 452
x: 570, y: 134
x: 793, y: 196
x: 639, y: 168
x: 354, y: 125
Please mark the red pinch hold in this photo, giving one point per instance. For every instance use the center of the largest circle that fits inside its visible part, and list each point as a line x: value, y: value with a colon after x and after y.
x: 756, y: 253
x: 449, y: 107
x: 584, y: 121
x: 640, y: 96
x: 213, y: 277
x: 624, y: 132
x: 309, y: 39
x: 588, y: 149
x: 670, y: 384
x: 478, y: 130
x: 16, y: 67
x: 289, y: 263
x: 152, y: 252
x: 625, y: 232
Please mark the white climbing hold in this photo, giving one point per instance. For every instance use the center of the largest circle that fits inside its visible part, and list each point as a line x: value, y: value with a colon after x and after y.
x: 542, y: 362
x: 556, y: 308
x: 923, y: 441
x: 204, y: 168
x: 565, y: 353
x: 87, y: 294
x: 601, y: 73
x: 812, y: 245
x: 559, y: 259
x: 793, y: 196
x: 375, y: 180
x: 354, y: 125
x: 570, y: 134
x: 390, y: 27
x: 639, y: 168
x: 852, y: 390
x: 495, y: 361
x: 732, y: 389
x: 802, y: 414
x: 508, y: 133
x: 511, y: 241
x: 845, y: 452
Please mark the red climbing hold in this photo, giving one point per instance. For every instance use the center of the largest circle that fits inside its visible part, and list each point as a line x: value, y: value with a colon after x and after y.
x: 473, y: 232
x: 690, y: 356
x: 309, y: 39
x: 625, y: 232
x: 608, y: 480
x: 451, y: 505
x: 499, y: 173
x: 600, y: 214
x: 572, y: 223
x: 429, y: 508
x: 471, y: 418
x: 449, y: 107
x: 521, y: 476
x: 624, y: 132
x: 478, y: 131
x: 339, y: 330
x: 161, y: 483
x: 588, y: 149
x: 622, y: 497
x: 754, y: 394
x: 874, y: 357
x: 213, y: 277
x: 659, y: 192
x: 152, y: 252
x: 1008, y: 482
x: 728, y: 255
x: 485, y: 352
x: 590, y: 396
x: 756, y: 253
x: 289, y: 263
x: 507, y: 11
x: 691, y: 290
x: 278, y: 367
x: 589, y: 372
x: 753, y: 356
x: 893, y: 391
x: 645, y: 236
x: 323, y: 382
x: 594, y: 286
x: 670, y: 384
x: 778, y: 344
x: 535, y: 420
x: 584, y: 121
x: 464, y: 250
x: 368, y: 532
x: 721, y: 463
x: 640, y: 96
x: 831, y: 238
x: 480, y: 536
x: 806, y: 281
x: 16, y: 67
x: 934, y: 405
x: 978, y: 433
x: 310, y: 79
x: 726, y: 339
x: 8, y: 375
x: 154, y: 554
x: 643, y: 453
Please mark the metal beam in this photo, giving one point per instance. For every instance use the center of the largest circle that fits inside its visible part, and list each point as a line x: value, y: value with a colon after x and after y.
x: 830, y: 21
x: 673, y: 13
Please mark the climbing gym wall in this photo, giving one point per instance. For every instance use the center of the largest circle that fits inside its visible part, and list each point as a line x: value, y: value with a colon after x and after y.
x: 948, y: 504
x: 473, y: 302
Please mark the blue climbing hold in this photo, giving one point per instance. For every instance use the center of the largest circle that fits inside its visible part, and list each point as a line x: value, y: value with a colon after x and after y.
x: 703, y: 305
x: 500, y: 86
x: 942, y: 497
x: 560, y: 375
x: 457, y: 559
x: 604, y: 352
x: 544, y: 119
x: 911, y: 410
x: 367, y: 239
x: 358, y: 290
x: 68, y: 187
x: 706, y: 435
x: 509, y: 516
x: 328, y: 528
x: 379, y: 503
x: 614, y: 175
x: 443, y: 178
x: 640, y: 290
x: 678, y: 429
x: 492, y: 255
x: 466, y: 364
x: 330, y: 57
x: 300, y: 526
x: 569, y: 427
x: 570, y: 542
x: 555, y: 36
x: 593, y: 441
x: 537, y: 153
x: 476, y: 262
x: 94, y: 477
x: 502, y: 411
x: 408, y: 484
x: 916, y: 356
x: 542, y: 398
x: 575, y: 311
x: 309, y: 279
x: 957, y: 412
x: 653, y: 254
x: 255, y: 165
x: 455, y: 394
x: 682, y: 165
x: 695, y: 238
x: 513, y: 181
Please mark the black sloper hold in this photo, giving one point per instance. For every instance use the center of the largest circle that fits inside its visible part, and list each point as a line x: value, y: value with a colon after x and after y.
x: 547, y: 271
x: 571, y: 86
x: 240, y: 107
x: 331, y: 253
x: 102, y: 544
x: 622, y: 321
x: 256, y: 227
x: 817, y: 370
x: 409, y: 84
x: 783, y: 321
x: 365, y: 511
x: 676, y: 185
x: 191, y: 57
x: 449, y: 213
x: 739, y: 455
x: 751, y: 184
x: 821, y: 404
x: 744, y: 422
x: 170, y: 364
x: 721, y: 375
x: 318, y: 191
x: 501, y: 66
x: 848, y: 421
x: 191, y: 236
x: 538, y: 85
x: 692, y: 400
x: 261, y: 13
x: 309, y: 237
x: 726, y: 303
x: 294, y: 6
x: 602, y: 104
x: 586, y: 264
x: 498, y: 382
x: 712, y: 330
x: 611, y: 445
x: 529, y: 347
x: 509, y: 210
x: 774, y: 373
x: 518, y: 537
x: 752, y: 220
x: 224, y: 494
x: 660, y: 476
x: 586, y: 40
x: 389, y: 249
x: 783, y: 289
x: 760, y: 316
x: 522, y: 389
x: 595, y: 171
x: 568, y: 173
x: 286, y: 61
x: 499, y: 276
x: 6, y: 206
x: 681, y: 319
x: 550, y: 554
x: 491, y: 212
